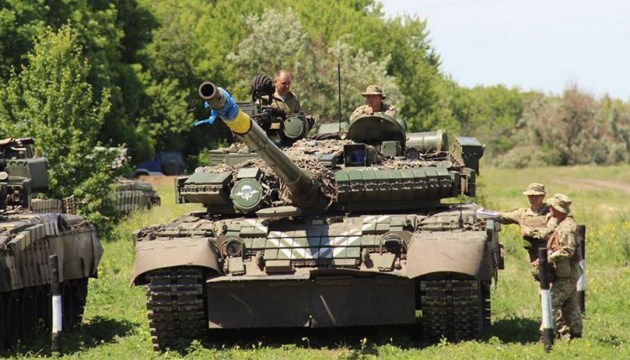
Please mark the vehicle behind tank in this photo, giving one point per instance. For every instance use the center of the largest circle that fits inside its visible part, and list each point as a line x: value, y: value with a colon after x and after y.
x: 31, y: 230
x: 130, y: 195
x: 348, y: 231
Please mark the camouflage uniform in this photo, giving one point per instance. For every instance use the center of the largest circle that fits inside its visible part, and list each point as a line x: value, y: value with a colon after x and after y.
x: 385, y: 109
x: 540, y: 223
x: 564, y: 257
x: 290, y: 105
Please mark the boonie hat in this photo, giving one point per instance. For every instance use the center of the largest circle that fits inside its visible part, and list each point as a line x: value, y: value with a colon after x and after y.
x: 560, y: 202
x: 535, y: 189
x: 374, y: 90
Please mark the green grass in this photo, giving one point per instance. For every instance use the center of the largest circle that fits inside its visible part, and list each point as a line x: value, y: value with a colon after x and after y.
x: 115, y: 324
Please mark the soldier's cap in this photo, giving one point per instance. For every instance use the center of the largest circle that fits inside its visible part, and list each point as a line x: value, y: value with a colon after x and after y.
x: 560, y: 202
x: 374, y: 90
x: 535, y: 189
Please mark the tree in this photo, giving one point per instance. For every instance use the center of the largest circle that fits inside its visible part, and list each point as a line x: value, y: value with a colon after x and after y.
x: 52, y: 101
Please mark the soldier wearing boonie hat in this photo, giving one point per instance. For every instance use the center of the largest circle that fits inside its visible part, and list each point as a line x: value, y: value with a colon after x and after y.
x: 535, y: 189
x: 565, y: 256
x: 561, y: 203
x: 534, y: 219
x: 374, y: 97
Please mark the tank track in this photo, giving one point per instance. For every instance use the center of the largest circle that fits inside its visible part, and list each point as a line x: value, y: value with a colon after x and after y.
x: 176, y: 306
x: 456, y: 309
x: 26, y: 312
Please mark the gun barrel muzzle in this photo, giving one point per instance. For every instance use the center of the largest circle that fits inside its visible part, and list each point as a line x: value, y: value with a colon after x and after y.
x: 207, y: 90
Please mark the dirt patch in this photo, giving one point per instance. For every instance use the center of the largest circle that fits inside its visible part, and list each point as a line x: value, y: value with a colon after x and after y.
x: 159, y: 180
x: 592, y: 184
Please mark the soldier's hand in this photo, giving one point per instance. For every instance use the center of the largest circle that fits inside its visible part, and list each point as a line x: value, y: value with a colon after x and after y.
x: 369, y: 111
x: 524, y: 231
x: 536, y: 262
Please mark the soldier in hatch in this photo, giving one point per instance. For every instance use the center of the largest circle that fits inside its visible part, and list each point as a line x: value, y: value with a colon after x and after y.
x: 283, y: 98
x: 374, y: 97
x: 535, y: 221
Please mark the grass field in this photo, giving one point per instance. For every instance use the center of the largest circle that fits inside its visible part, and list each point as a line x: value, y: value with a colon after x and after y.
x: 115, y: 324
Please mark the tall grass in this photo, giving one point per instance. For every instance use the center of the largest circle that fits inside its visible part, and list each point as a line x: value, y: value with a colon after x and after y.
x: 115, y: 324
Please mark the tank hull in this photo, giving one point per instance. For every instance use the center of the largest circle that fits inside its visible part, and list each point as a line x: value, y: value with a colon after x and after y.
x: 363, y: 270
x: 26, y: 243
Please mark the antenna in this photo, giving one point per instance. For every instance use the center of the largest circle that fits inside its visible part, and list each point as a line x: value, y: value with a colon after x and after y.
x: 339, y: 91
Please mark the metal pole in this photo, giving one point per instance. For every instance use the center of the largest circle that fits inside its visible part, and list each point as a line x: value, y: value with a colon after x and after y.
x: 55, y: 290
x: 545, y: 300
x: 581, y: 283
x: 339, y: 90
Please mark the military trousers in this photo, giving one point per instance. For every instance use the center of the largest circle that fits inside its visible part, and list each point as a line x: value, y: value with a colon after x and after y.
x: 566, y: 309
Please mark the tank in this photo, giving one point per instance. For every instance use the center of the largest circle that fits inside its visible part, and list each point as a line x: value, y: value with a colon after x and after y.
x: 347, y: 231
x: 130, y: 195
x: 30, y: 232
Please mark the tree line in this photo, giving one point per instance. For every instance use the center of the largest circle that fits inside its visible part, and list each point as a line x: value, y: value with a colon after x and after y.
x: 79, y: 74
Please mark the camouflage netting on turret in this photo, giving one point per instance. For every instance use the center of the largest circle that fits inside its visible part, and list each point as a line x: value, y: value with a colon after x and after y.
x: 306, y: 153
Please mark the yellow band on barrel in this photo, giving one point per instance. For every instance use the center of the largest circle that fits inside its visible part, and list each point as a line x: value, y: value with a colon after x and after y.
x: 241, y: 123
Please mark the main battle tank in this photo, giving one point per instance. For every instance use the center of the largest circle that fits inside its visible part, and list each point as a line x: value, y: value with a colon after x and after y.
x: 130, y: 195
x: 29, y: 235
x: 323, y: 233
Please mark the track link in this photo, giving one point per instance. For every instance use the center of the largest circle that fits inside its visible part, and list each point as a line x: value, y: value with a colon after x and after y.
x: 457, y: 309
x: 176, y: 306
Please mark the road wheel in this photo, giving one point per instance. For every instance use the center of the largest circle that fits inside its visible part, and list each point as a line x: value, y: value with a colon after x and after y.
x: 42, y: 308
x: 67, y: 305
x: 13, y: 312
x: 3, y: 322
x: 79, y: 298
x: 28, y: 314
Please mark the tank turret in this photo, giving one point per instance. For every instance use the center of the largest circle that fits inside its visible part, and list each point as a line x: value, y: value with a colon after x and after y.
x: 378, y: 166
x: 247, y: 193
x: 21, y: 173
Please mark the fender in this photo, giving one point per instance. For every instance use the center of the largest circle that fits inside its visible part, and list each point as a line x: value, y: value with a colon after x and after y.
x: 466, y: 252
x: 164, y: 253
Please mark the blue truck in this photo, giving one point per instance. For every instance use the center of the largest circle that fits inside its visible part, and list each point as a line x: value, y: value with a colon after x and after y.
x: 163, y: 163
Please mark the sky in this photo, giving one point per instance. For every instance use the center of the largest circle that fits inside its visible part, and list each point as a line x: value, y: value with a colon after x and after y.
x: 543, y: 45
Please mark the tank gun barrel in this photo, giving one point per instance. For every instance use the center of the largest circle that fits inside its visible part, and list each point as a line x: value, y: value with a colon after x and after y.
x: 304, y: 190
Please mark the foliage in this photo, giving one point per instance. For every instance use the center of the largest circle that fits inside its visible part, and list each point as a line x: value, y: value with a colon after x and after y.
x: 110, y: 34
x: 51, y: 100
x: 572, y: 129
x: 491, y: 114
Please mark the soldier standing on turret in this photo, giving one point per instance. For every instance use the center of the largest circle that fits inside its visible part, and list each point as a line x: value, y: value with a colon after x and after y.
x: 535, y: 221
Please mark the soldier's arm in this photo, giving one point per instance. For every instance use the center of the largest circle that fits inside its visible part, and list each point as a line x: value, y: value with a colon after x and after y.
x: 566, y: 246
x: 356, y: 113
x: 542, y: 234
x: 391, y: 111
x: 510, y: 217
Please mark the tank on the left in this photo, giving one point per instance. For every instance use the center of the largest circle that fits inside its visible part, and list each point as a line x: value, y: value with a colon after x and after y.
x: 31, y: 231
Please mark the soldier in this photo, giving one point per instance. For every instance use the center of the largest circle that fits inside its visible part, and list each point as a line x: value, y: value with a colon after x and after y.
x: 535, y: 220
x: 564, y: 257
x: 374, y: 97
x: 283, y: 98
